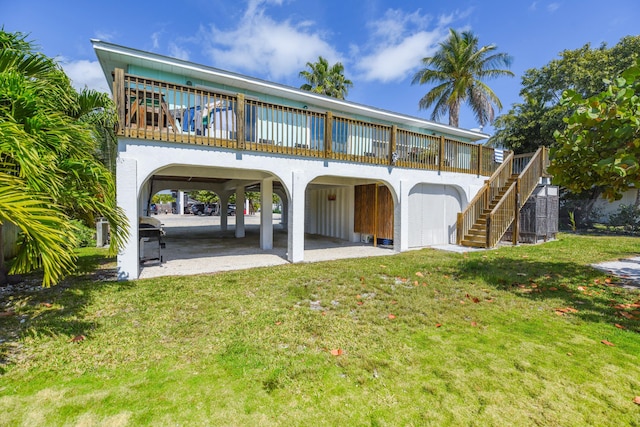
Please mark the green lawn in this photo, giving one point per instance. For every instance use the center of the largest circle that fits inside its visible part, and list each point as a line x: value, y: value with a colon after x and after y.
x: 513, y: 336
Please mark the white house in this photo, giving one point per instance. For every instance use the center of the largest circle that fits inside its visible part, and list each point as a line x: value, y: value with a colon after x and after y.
x: 342, y: 169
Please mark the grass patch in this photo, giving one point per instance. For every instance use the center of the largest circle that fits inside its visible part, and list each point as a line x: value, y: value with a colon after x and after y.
x: 512, y: 336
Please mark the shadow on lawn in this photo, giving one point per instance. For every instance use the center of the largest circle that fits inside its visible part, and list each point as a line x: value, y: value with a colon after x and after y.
x: 30, y: 310
x: 596, y: 296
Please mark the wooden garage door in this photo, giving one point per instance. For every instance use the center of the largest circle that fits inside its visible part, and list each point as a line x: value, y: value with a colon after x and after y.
x: 373, y: 211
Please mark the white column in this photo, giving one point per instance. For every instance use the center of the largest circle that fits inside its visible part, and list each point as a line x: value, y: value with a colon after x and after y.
x: 295, y: 218
x: 224, y: 206
x: 401, y: 218
x: 284, y: 218
x: 266, y: 214
x: 127, y: 197
x: 240, y: 211
x: 181, y: 202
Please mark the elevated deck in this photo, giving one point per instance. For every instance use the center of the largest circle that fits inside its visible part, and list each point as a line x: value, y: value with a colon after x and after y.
x: 161, y: 111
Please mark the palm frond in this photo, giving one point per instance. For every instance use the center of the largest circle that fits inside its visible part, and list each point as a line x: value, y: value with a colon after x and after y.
x: 460, y: 64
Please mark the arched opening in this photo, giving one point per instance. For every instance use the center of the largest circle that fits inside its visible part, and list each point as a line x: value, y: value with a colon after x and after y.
x: 355, y: 211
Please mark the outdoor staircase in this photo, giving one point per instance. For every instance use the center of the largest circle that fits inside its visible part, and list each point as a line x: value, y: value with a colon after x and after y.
x: 497, y: 205
x: 477, y: 235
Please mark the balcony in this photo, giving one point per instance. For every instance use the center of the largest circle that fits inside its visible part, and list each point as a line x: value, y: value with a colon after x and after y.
x: 163, y: 111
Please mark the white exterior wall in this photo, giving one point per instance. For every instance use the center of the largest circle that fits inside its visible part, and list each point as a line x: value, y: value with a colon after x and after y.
x: 606, y: 208
x: 139, y: 160
x: 330, y: 217
x: 283, y: 133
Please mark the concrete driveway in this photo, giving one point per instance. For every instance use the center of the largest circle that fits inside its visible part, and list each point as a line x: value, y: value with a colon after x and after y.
x: 196, y: 245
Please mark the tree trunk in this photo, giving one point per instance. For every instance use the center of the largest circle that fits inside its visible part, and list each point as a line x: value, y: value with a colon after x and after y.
x: 637, y: 202
x: 3, y: 275
x: 590, y: 203
x: 454, y: 114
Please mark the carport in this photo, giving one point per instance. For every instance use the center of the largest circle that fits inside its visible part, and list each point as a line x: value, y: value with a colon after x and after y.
x: 197, y: 245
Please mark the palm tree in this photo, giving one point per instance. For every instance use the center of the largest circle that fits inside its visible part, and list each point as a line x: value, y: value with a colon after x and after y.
x: 458, y: 69
x: 49, y: 172
x: 326, y: 80
x: 98, y: 110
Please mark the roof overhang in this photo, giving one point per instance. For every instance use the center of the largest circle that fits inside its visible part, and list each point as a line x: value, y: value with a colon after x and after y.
x: 112, y: 56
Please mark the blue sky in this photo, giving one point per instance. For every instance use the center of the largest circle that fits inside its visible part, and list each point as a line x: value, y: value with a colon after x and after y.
x: 380, y: 42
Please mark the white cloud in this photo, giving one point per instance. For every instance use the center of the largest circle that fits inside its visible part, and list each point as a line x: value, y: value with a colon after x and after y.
x: 260, y: 44
x: 104, y: 36
x: 398, y: 42
x: 85, y: 73
x: 178, y: 52
x: 533, y: 6
x: 394, y: 62
x: 155, y: 39
x: 552, y: 7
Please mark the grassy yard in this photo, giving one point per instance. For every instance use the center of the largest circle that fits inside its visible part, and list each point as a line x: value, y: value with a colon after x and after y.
x: 520, y: 336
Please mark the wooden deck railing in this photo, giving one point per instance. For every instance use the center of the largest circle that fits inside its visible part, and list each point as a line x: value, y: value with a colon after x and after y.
x: 501, y: 216
x: 482, y: 200
x: 528, y: 168
x: 156, y: 110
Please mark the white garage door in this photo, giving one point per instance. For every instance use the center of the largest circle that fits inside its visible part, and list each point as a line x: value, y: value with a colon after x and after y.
x: 433, y: 210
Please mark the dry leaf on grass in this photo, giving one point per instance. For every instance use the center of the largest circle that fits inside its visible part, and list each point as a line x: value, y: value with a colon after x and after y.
x: 566, y: 310
x: 619, y: 326
x: 78, y: 338
x: 419, y: 274
x: 609, y: 343
x: 391, y: 316
x: 636, y: 400
x: 336, y: 352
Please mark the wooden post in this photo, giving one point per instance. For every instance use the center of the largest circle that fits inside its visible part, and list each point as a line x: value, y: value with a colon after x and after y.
x: 479, y: 160
x: 240, y: 120
x: 328, y: 134
x: 375, y: 216
x: 459, y: 223
x: 441, y: 154
x: 120, y: 100
x: 516, y: 218
x: 487, y: 193
x: 392, y: 143
x: 487, y: 243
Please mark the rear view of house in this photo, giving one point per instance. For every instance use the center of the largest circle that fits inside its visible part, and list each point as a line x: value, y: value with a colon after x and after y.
x: 341, y: 169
